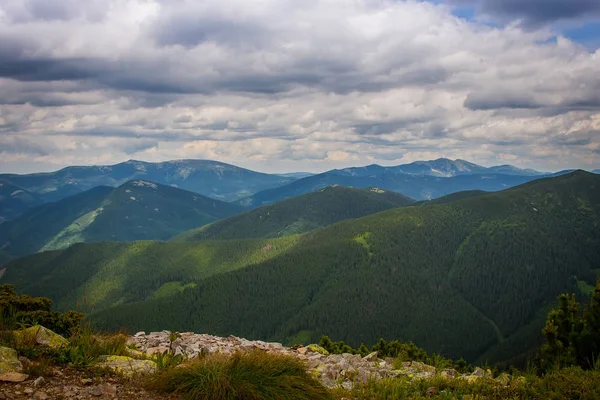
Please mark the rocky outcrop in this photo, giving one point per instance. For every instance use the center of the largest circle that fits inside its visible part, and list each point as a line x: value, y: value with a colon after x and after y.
x: 126, y: 365
x: 10, y: 366
x: 42, y: 336
x: 333, y: 370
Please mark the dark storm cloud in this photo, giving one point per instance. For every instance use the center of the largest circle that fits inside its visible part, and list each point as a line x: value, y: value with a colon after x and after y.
x: 50, y: 69
x: 537, y: 12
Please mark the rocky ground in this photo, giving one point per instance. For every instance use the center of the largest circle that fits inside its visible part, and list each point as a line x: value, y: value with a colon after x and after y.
x: 66, y: 383
x: 333, y: 370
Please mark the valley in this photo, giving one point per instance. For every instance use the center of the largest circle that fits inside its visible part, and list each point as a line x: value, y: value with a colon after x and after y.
x: 356, y: 264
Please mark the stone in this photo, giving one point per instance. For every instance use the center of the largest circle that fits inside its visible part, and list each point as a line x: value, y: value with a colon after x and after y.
x: 14, y: 377
x: 9, y: 361
x: 419, y: 366
x: 40, y: 396
x: 371, y: 356
x: 38, y: 381
x: 157, y: 350
x: 43, y: 336
x: 127, y: 365
x: 449, y: 373
x: 431, y: 391
x: 470, y: 378
x: 301, y: 350
x: 315, y: 348
x: 479, y: 372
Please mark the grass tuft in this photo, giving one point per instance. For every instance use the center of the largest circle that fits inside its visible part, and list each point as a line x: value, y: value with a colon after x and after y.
x: 252, y: 375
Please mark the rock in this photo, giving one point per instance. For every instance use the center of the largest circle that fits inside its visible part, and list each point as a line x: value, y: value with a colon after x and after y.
x: 431, y: 391
x: 419, y: 366
x: 371, y: 357
x: 13, y: 377
x: 9, y: 361
x: 28, y: 391
x: 301, y: 350
x: 347, y: 385
x: 157, y: 350
x: 40, y: 396
x: 449, y: 373
x: 480, y: 372
x: 315, y: 348
x: 127, y: 365
x: 38, y: 381
x: 26, y: 362
x: 470, y: 378
x: 42, y: 336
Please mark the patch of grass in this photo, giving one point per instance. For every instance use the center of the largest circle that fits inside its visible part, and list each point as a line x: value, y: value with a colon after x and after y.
x: 87, y: 346
x: 167, y: 360
x: 564, y: 384
x: 242, y: 376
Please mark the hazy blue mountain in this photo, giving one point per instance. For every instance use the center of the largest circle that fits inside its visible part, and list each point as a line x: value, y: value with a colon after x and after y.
x: 209, y: 178
x: 417, y: 187
x: 297, y: 175
x: 442, y: 167
x: 15, y: 199
x: 596, y: 171
x: 136, y: 210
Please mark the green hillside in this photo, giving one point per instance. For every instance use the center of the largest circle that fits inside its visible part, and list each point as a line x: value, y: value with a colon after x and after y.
x: 137, y: 210
x: 14, y: 200
x: 95, y: 276
x: 464, y: 278
x: 300, y: 214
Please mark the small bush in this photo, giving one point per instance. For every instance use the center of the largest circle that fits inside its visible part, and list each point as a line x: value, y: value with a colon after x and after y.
x: 243, y: 376
x: 19, y: 311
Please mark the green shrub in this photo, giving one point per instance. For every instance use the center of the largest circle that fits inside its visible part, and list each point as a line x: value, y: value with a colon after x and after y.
x: 242, y: 376
x: 19, y: 310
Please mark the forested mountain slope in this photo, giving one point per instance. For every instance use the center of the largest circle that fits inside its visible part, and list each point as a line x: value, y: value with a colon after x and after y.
x: 461, y: 278
x: 209, y: 178
x: 416, y: 187
x: 14, y: 200
x: 137, y: 210
x: 300, y: 214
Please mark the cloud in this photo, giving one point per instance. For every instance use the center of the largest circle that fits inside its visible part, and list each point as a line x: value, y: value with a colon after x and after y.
x: 306, y: 85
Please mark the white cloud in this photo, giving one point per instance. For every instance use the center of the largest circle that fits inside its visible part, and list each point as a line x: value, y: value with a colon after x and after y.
x: 304, y: 85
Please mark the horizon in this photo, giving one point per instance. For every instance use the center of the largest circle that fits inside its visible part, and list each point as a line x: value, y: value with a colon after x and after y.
x: 240, y: 165
x: 291, y: 86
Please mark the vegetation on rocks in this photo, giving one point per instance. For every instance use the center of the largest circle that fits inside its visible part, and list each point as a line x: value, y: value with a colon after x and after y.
x: 252, y: 375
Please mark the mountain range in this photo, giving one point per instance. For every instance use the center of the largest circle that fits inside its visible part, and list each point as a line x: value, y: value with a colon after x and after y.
x: 230, y: 183
x: 300, y: 214
x: 442, y: 167
x: 468, y: 275
x: 209, y: 178
x: 419, y: 187
x: 136, y: 210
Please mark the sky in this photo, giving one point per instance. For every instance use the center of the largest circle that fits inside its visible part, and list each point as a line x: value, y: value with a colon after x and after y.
x: 299, y: 85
